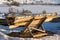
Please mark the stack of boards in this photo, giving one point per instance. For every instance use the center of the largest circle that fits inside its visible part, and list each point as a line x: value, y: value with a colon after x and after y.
x: 29, y: 21
x: 24, y: 20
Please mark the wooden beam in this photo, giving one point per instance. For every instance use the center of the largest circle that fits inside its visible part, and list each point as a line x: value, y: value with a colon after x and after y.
x: 17, y: 25
x: 22, y: 19
x: 39, y: 30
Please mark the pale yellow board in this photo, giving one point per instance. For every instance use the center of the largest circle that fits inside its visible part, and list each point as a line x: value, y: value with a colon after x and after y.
x: 49, y: 18
x: 39, y: 17
x: 17, y: 25
x: 34, y: 22
x: 22, y: 19
x: 40, y: 35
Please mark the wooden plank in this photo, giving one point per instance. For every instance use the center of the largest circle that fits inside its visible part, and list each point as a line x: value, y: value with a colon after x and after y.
x: 34, y: 23
x: 39, y: 16
x: 40, y: 35
x: 17, y: 25
x: 39, y: 30
x: 37, y: 22
x: 22, y: 19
